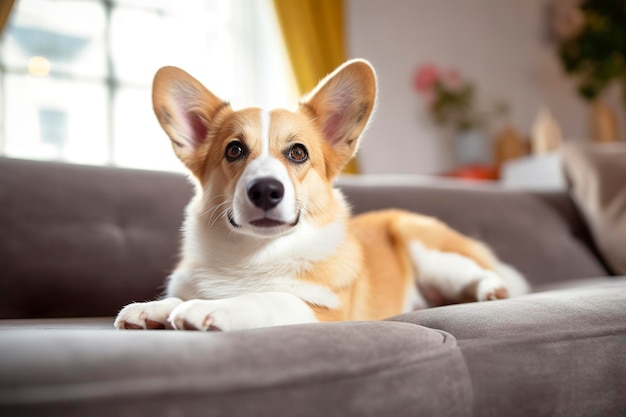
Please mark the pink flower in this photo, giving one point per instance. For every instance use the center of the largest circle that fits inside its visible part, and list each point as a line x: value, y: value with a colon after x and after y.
x: 425, y: 77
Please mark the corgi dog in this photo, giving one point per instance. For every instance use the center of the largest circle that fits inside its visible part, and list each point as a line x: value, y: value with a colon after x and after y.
x: 268, y: 240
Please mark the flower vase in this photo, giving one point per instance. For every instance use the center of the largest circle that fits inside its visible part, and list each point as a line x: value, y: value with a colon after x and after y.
x: 472, y: 147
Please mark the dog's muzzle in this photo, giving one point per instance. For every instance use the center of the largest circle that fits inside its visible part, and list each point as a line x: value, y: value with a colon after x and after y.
x: 266, y: 206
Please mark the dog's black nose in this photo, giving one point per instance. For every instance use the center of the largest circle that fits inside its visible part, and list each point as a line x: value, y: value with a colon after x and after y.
x: 266, y: 192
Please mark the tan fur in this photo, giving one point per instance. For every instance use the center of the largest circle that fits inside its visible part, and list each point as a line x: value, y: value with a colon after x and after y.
x: 379, y: 263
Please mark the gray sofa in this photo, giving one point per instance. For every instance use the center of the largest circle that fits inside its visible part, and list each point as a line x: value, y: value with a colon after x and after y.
x: 77, y: 243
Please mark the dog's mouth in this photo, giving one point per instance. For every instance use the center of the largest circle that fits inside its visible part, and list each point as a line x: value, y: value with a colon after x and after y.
x: 264, y: 222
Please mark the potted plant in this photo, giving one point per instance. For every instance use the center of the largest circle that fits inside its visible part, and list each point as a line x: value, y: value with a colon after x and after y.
x: 451, y: 103
x: 592, y: 47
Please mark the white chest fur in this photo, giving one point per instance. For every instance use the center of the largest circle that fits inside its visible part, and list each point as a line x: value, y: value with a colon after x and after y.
x: 218, y: 264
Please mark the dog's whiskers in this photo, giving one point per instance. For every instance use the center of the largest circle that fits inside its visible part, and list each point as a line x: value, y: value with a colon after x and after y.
x: 214, y: 209
x: 206, y: 203
x: 222, y: 214
x: 303, y: 206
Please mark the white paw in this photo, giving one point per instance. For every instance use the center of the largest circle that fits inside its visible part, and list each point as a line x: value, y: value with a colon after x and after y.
x: 204, y: 315
x: 246, y: 311
x: 226, y: 314
x: 148, y: 315
x: 492, y: 287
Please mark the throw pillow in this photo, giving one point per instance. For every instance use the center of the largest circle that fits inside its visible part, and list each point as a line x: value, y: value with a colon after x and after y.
x: 596, y: 174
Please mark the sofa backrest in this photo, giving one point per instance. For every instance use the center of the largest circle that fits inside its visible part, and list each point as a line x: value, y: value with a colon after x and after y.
x: 78, y: 240
x: 541, y: 233
x: 85, y: 241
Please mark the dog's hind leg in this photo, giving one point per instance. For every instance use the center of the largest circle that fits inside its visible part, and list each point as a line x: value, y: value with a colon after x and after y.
x: 451, y: 267
x: 449, y: 277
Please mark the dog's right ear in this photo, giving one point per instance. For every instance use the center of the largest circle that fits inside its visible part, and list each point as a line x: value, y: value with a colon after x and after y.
x: 185, y: 109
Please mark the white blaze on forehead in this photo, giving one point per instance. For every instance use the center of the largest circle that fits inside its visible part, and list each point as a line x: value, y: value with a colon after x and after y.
x: 264, y: 166
x: 265, y: 132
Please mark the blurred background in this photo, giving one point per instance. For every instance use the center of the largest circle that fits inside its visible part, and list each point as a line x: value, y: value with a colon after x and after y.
x: 466, y: 86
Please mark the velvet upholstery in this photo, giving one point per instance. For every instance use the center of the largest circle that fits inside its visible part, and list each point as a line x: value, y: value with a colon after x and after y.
x: 552, y: 353
x: 80, y: 242
x: 307, y: 370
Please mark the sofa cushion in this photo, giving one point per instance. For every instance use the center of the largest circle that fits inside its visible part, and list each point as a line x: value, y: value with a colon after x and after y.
x: 596, y: 174
x: 335, y: 369
x: 558, y: 353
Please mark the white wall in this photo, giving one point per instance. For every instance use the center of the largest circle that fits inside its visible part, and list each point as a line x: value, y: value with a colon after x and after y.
x: 499, y: 44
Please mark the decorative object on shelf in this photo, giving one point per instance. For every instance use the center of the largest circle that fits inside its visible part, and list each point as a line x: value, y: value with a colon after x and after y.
x: 452, y: 104
x: 472, y: 147
x: 509, y: 145
x: 546, y: 134
x: 450, y: 99
x: 592, y: 47
x: 474, y: 173
x: 603, y: 123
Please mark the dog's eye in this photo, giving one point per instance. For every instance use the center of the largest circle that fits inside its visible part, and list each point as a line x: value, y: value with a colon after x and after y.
x: 298, y: 153
x: 235, y: 150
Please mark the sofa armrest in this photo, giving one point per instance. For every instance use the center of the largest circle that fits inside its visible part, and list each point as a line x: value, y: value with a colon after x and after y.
x: 338, y: 369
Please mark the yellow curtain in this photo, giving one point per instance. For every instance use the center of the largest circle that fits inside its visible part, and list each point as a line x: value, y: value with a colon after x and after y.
x: 5, y: 9
x: 314, y: 37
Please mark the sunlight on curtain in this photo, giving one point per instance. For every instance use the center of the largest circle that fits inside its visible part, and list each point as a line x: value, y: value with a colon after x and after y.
x: 313, y: 31
x: 5, y: 9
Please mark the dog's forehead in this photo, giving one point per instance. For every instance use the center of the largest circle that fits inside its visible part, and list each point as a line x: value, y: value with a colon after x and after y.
x: 285, y: 124
x: 244, y: 124
x: 266, y: 131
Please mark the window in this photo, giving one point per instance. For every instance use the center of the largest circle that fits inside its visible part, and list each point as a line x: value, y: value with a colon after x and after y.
x: 53, y: 127
x: 75, y: 75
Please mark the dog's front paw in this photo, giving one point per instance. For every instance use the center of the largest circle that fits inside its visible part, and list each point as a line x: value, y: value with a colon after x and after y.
x: 206, y: 315
x: 149, y: 315
x: 197, y: 315
x: 492, y: 287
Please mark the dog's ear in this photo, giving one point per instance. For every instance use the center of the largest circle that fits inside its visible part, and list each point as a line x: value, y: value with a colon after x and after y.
x: 185, y: 109
x: 341, y: 105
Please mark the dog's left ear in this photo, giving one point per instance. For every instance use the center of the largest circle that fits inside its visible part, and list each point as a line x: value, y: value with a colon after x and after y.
x: 341, y: 105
